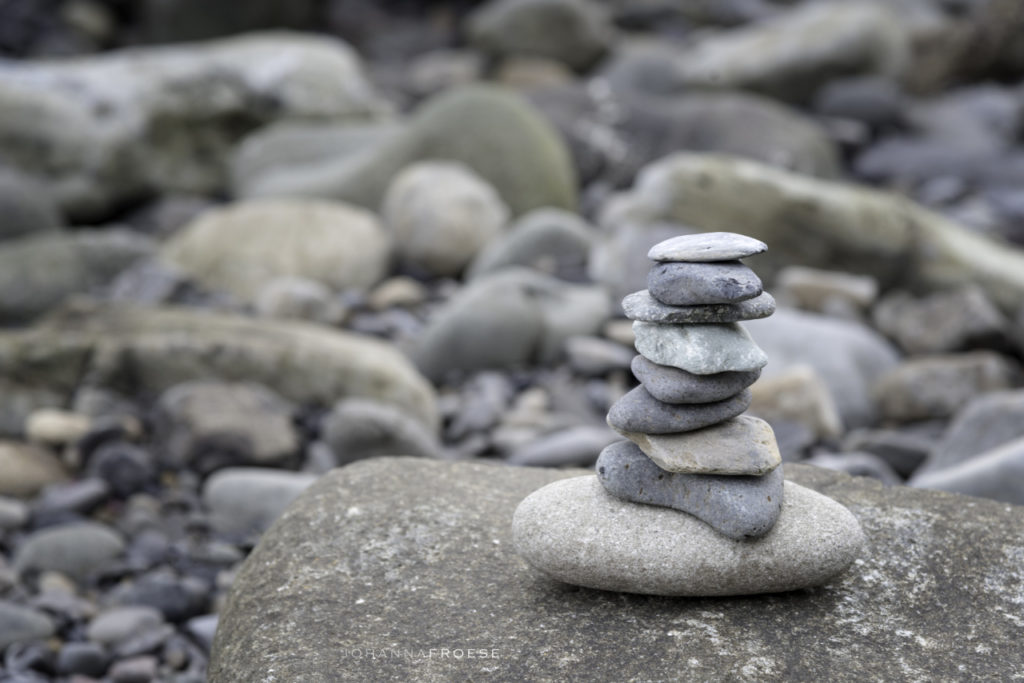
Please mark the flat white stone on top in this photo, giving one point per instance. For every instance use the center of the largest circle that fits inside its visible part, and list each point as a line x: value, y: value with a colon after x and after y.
x: 706, y: 246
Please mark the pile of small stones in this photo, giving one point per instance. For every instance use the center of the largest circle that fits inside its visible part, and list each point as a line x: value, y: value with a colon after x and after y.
x: 694, y: 503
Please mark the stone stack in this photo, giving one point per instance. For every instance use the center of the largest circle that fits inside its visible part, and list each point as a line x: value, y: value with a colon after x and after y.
x: 694, y: 503
x: 689, y: 448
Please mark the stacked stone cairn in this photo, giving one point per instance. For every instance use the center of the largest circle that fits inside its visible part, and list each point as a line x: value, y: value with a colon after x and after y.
x: 694, y: 502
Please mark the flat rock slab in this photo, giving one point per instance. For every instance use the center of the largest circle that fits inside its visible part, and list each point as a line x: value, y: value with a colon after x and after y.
x: 642, y: 306
x: 696, y: 284
x: 706, y: 246
x: 700, y: 349
x: 382, y: 569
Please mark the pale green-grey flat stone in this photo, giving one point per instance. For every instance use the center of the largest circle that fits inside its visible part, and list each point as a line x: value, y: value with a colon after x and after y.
x: 700, y: 349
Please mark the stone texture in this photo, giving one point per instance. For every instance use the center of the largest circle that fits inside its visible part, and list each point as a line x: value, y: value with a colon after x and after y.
x: 575, y: 531
x: 642, y: 306
x: 239, y: 248
x: 26, y: 469
x: 742, y: 445
x: 672, y: 385
x: 638, y: 411
x: 77, y: 550
x: 694, y: 284
x: 738, y: 507
x: 700, y: 349
x: 247, y: 500
x: 706, y: 246
x: 412, y: 525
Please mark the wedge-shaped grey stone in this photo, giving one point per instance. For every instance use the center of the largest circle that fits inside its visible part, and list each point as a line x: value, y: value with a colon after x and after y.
x: 642, y: 306
x: 739, y: 507
x: 742, y: 445
x: 672, y: 385
x: 706, y: 246
x: 695, y: 284
x: 638, y: 411
x: 575, y: 531
x: 700, y: 349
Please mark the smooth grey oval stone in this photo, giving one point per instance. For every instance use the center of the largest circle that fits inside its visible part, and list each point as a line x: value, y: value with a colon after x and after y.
x: 706, y: 246
x: 672, y: 385
x: 642, y: 306
x: 744, y: 445
x: 696, y: 284
x: 575, y: 531
x: 740, y: 507
x: 700, y: 349
x: 638, y: 411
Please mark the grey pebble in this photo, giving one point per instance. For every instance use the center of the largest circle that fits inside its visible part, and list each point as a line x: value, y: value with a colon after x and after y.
x: 700, y: 349
x: 244, y: 500
x: 642, y: 306
x: 696, y: 284
x: 739, y: 507
x: 638, y: 411
x: 13, y: 513
x: 672, y: 385
x: 87, y: 659
x: 120, y: 623
x: 202, y: 629
x: 21, y: 624
x: 706, y: 246
x: 75, y: 550
x: 594, y: 356
x: 135, y: 670
x: 858, y: 465
x: 574, y: 446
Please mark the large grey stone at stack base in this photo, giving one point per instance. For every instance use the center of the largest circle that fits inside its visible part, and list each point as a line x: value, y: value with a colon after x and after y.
x: 738, y: 507
x: 642, y: 306
x: 742, y: 445
x: 412, y: 527
x: 510, y: 317
x: 575, y: 531
x: 700, y: 349
x: 853, y: 229
x: 693, y: 284
x: 672, y: 385
x: 996, y: 474
x: 638, y: 411
x: 703, y: 247
x: 152, y: 349
x: 102, y: 131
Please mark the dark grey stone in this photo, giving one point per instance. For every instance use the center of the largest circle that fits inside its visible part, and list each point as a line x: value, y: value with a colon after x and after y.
x: 642, y: 306
x: 315, y: 590
x: 638, y: 411
x: 127, y: 468
x: 738, y: 507
x: 704, y: 247
x: 695, y: 284
x: 672, y: 385
x: 21, y: 624
x: 88, y: 659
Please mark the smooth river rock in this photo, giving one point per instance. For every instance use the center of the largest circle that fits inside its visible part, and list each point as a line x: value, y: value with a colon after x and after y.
x: 742, y: 445
x: 642, y: 306
x: 700, y: 349
x: 672, y: 385
x: 694, y: 284
x: 638, y: 411
x: 738, y: 507
x: 706, y: 246
x: 414, y: 554
x: 575, y: 531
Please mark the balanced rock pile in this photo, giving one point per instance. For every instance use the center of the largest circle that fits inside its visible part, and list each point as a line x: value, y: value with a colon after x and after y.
x: 694, y: 503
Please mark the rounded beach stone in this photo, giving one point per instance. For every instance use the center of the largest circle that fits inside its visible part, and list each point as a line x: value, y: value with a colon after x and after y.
x: 742, y: 445
x: 700, y: 349
x: 706, y: 246
x: 642, y: 306
x: 695, y: 284
x: 575, y: 531
x: 638, y: 411
x: 672, y: 385
x: 739, y: 507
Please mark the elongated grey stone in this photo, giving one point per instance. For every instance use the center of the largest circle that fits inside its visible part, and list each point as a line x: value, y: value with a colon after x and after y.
x: 575, y: 531
x: 672, y: 385
x: 706, y: 246
x: 742, y: 445
x: 700, y: 349
x: 739, y: 507
x: 638, y: 411
x: 642, y: 306
x: 695, y: 284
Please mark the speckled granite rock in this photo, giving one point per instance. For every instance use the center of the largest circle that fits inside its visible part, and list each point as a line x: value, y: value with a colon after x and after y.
x: 642, y: 306
x: 410, y: 555
x: 638, y: 411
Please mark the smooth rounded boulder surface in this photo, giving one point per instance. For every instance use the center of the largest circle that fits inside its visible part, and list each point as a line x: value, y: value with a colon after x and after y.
x: 575, y: 531
x: 644, y: 307
x: 704, y: 247
x: 700, y: 349
x: 739, y: 507
x: 672, y: 385
x: 638, y: 411
x: 414, y: 554
x: 742, y: 445
x: 695, y: 284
